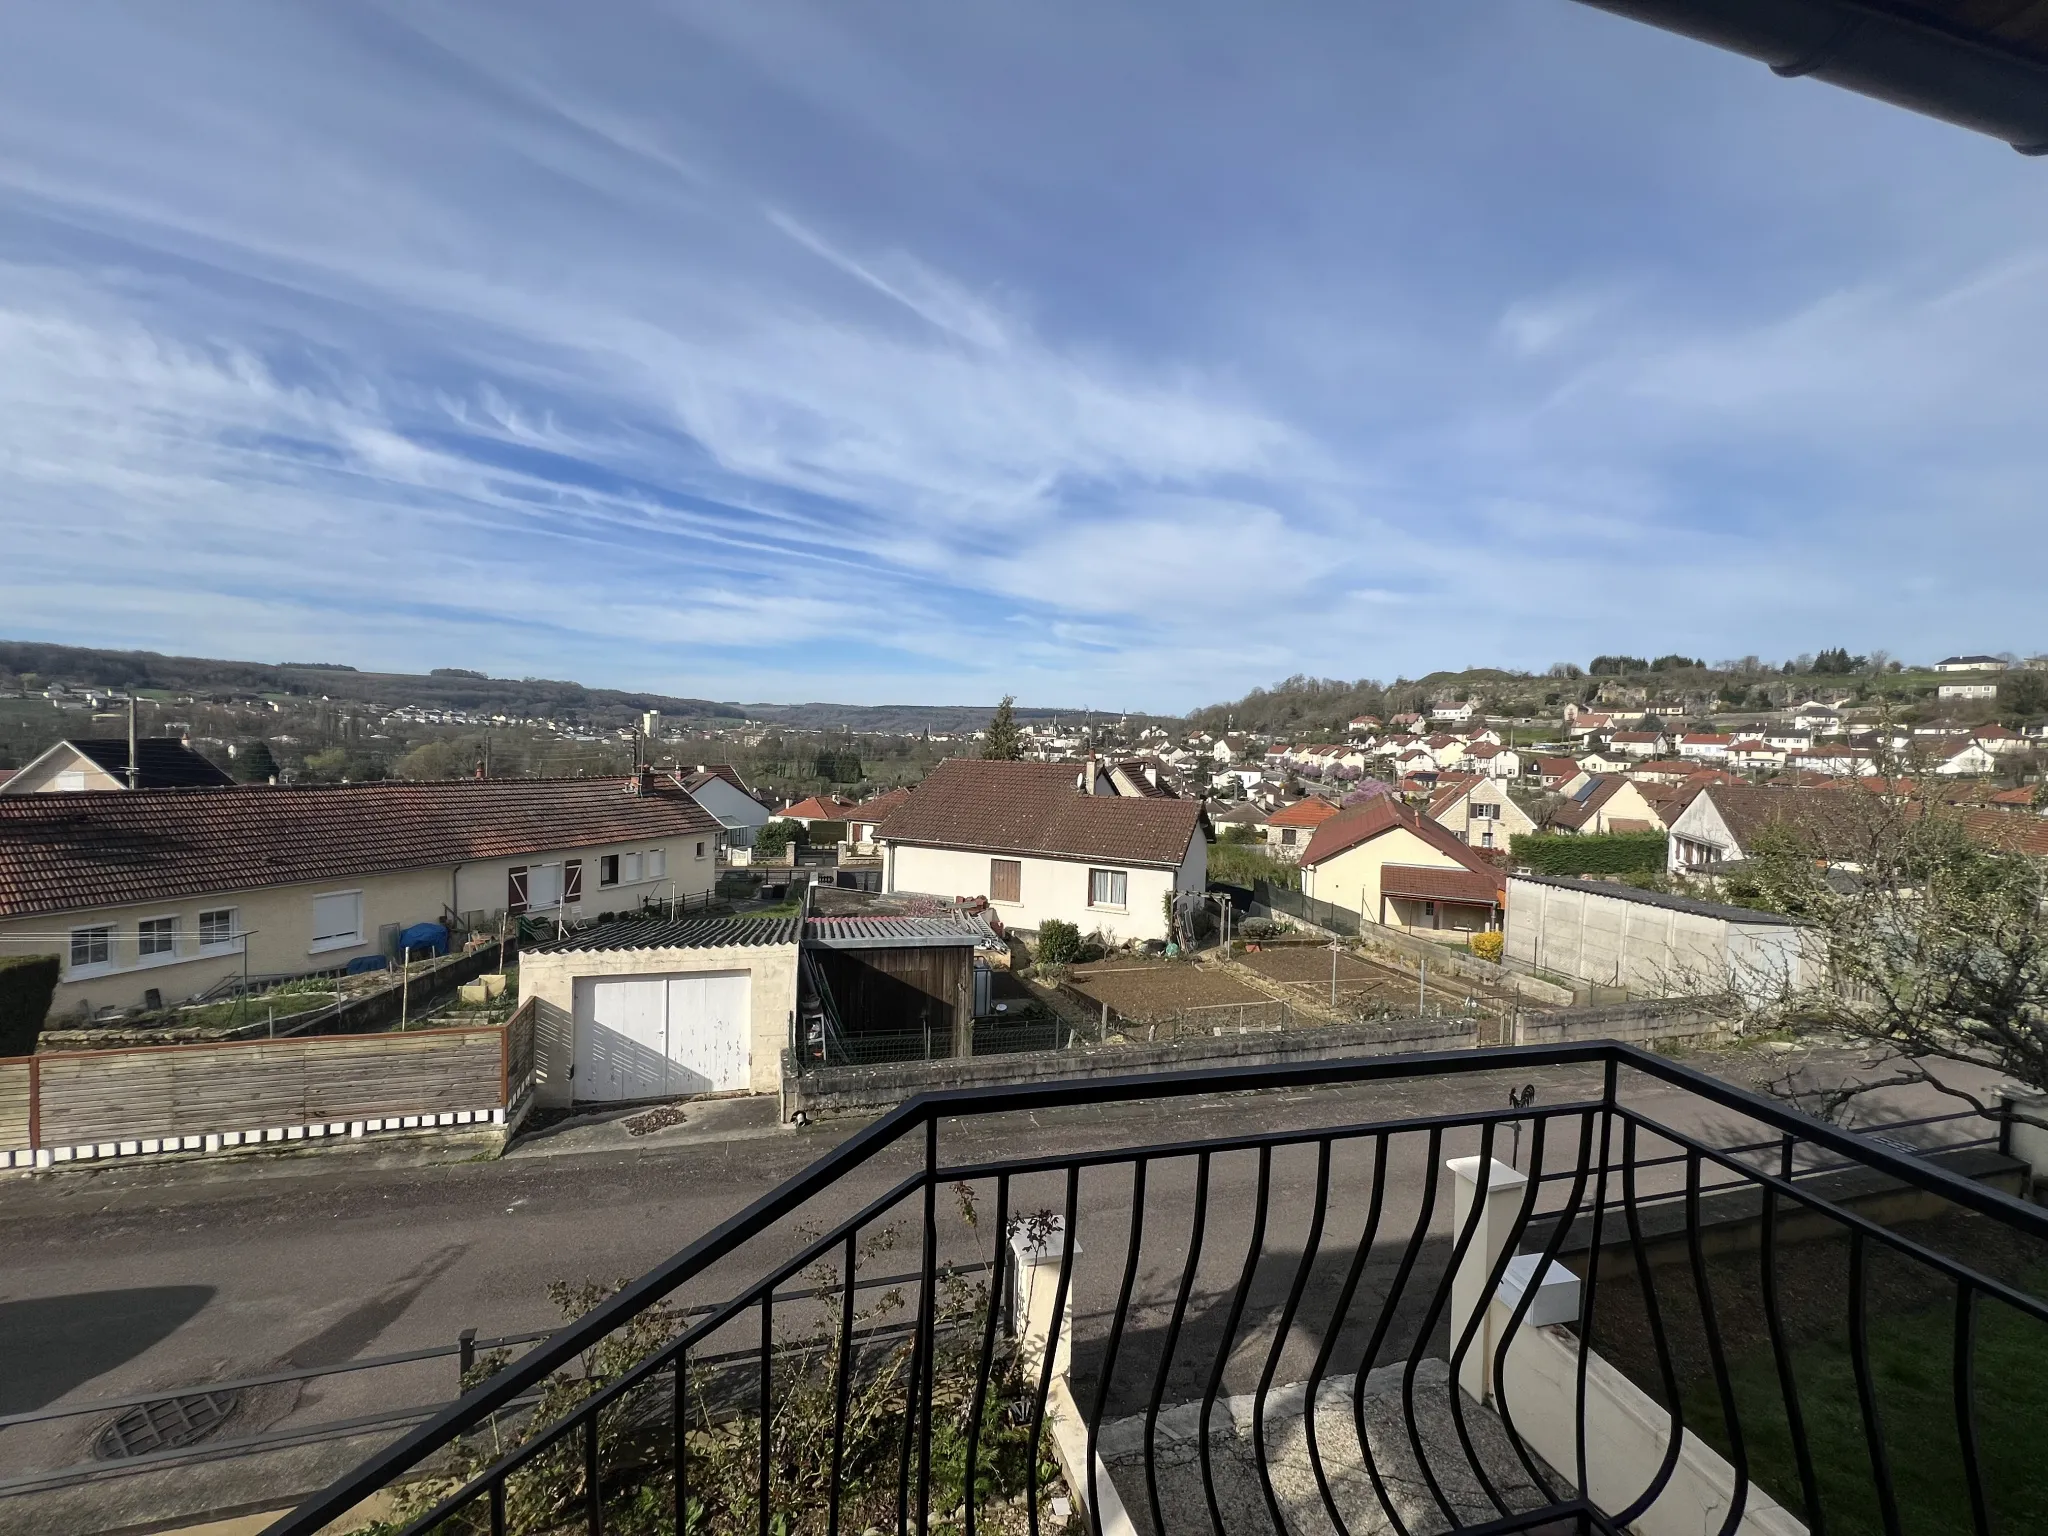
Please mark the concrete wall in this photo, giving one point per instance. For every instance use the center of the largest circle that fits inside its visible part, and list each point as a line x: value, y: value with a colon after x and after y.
x: 1050, y: 888
x: 851, y: 1089
x: 550, y: 979
x: 277, y: 921
x: 1648, y: 949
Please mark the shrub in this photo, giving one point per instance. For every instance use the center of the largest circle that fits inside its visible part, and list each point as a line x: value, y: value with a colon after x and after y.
x: 1488, y: 946
x: 1059, y: 942
x: 774, y: 839
x: 1606, y: 853
x: 1258, y: 928
x: 27, y: 983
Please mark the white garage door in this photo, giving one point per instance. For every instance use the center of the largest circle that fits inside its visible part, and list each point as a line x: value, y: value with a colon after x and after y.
x: 649, y: 1037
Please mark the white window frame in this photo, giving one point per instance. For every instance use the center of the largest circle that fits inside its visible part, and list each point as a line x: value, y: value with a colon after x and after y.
x: 224, y: 946
x: 156, y: 956
x: 533, y: 904
x: 321, y: 945
x: 657, y: 862
x: 74, y: 967
x: 629, y: 869
x: 1115, y: 876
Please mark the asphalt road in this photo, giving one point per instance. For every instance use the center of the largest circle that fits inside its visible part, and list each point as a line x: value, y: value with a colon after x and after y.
x: 117, y: 1283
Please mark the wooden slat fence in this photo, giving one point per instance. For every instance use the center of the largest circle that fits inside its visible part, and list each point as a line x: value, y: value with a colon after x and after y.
x: 68, y: 1105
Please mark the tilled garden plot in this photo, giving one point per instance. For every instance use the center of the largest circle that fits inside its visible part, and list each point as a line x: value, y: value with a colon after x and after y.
x: 1305, y: 969
x: 1139, y: 989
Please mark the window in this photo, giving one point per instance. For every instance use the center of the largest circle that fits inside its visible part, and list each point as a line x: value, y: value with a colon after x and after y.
x: 91, y: 946
x: 700, y: 847
x: 1106, y: 887
x: 632, y: 869
x: 572, y: 880
x: 608, y: 869
x: 657, y: 862
x: 1486, y: 838
x: 1287, y: 837
x: 156, y: 937
x: 1486, y: 812
x: 1005, y: 879
x: 544, y: 887
x: 217, y: 928
x: 338, y: 920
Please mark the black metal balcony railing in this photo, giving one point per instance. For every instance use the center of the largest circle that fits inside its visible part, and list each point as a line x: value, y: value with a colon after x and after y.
x: 1650, y: 1301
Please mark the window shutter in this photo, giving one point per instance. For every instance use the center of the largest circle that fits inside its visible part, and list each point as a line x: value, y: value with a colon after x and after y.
x: 1005, y: 880
x: 572, y: 880
x: 515, y: 889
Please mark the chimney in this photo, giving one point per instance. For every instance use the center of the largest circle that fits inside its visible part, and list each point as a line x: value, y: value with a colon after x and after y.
x: 642, y: 781
x: 1088, y: 770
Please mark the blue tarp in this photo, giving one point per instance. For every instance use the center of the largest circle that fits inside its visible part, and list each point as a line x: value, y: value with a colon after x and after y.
x: 362, y: 963
x: 423, y: 939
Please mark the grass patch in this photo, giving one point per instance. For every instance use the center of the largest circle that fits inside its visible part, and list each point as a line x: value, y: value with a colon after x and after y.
x: 1912, y: 1363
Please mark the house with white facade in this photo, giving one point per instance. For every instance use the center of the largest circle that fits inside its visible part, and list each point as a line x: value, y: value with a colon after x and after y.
x: 719, y: 788
x: 1969, y: 664
x: 1479, y: 811
x: 171, y: 891
x: 1494, y: 760
x: 1705, y: 747
x: 1966, y: 691
x: 1038, y: 842
x: 1394, y: 866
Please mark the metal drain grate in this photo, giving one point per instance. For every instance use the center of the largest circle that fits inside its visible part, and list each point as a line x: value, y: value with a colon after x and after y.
x: 162, y: 1425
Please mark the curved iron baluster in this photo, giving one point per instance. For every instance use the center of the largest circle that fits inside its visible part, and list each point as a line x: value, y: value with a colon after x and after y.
x: 1866, y: 1389
x: 1591, y: 1281
x: 1544, y: 1259
x: 842, y: 1386
x: 1781, y: 1353
x: 1294, y: 1293
x: 1180, y: 1307
x: 1966, y: 1405
x: 1237, y: 1300
x: 1440, y: 1299
x: 1738, y: 1454
x: 1052, y: 1348
x: 1496, y: 1272
x: 927, y: 1324
x: 1116, y: 1334
x: 1335, y: 1325
x: 1432, y: 1151
x: 979, y: 1405
x: 1665, y: 1370
x: 767, y: 1405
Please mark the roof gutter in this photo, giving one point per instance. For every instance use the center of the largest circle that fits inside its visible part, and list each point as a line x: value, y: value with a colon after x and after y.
x: 1876, y: 50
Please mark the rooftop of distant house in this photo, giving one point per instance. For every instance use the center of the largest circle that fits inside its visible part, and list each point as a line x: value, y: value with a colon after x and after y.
x: 1040, y: 809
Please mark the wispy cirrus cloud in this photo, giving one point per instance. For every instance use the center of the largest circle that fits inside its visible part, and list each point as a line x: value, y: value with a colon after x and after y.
x: 1082, y: 356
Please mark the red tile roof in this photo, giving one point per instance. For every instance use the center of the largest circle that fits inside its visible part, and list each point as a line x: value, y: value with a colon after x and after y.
x: 111, y: 847
x: 818, y: 808
x: 1311, y: 812
x: 1038, y: 808
x: 1424, y: 882
x: 1379, y: 815
x: 877, y: 807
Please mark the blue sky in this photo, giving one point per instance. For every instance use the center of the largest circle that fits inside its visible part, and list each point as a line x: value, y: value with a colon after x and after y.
x: 1117, y: 355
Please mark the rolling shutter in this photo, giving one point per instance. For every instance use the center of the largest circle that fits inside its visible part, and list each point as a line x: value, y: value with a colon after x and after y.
x: 515, y: 889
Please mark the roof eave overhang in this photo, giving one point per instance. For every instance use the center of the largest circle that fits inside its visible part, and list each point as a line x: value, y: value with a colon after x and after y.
x: 1909, y: 62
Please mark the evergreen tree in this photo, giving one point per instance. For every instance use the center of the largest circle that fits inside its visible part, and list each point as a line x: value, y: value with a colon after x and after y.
x: 1002, y: 743
x: 254, y: 763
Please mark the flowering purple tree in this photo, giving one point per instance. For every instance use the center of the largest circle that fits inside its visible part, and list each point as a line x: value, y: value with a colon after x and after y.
x: 1366, y: 790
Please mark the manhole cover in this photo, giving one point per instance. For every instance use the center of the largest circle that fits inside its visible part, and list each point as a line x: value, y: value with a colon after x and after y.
x: 163, y: 1425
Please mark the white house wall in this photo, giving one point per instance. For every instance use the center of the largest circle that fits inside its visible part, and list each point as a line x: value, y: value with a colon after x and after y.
x: 1050, y: 888
x: 276, y: 922
x: 1649, y: 949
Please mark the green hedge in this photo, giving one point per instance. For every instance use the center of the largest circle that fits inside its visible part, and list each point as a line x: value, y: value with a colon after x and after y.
x: 27, y: 983
x: 1605, y: 853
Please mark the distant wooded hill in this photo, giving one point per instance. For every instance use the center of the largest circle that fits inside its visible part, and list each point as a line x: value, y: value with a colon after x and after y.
x: 460, y: 688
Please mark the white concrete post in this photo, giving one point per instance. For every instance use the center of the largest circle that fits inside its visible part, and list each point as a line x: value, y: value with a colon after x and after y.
x: 1503, y: 1198
x: 1034, y: 1282
x: 2027, y: 1133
